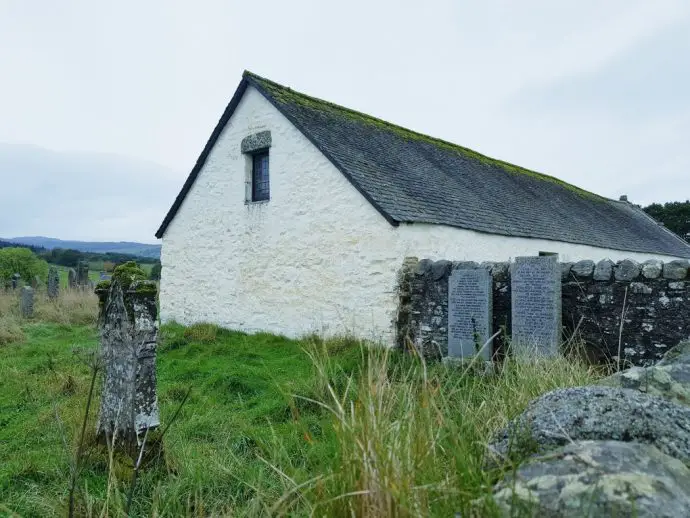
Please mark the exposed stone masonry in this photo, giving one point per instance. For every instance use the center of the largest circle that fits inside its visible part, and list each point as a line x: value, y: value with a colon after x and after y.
x: 656, y: 297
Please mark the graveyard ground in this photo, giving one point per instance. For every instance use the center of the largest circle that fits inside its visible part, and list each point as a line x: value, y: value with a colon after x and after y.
x: 271, y: 427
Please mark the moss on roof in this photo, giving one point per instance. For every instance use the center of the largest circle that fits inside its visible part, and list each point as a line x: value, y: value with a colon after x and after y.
x: 288, y: 96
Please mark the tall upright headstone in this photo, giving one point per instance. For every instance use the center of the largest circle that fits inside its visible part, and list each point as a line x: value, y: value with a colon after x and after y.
x: 53, y: 283
x: 27, y: 302
x: 82, y: 274
x: 15, y: 281
x: 128, y: 333
x: 469, y: 312
x: 71, y: 278
x: 536, y: 304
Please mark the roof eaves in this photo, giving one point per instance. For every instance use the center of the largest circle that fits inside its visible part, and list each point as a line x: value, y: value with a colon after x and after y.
x: 229, y: 110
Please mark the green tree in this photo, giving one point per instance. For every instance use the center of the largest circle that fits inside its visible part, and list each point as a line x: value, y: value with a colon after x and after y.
x: 674, y: 215
x: 22, y: 261
x: 156, y: 272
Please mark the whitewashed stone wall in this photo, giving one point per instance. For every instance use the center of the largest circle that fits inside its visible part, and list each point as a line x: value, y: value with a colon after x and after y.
x: 317, y: 257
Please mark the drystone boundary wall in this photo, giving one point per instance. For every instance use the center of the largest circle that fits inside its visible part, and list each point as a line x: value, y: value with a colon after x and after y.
x: 653, y: 298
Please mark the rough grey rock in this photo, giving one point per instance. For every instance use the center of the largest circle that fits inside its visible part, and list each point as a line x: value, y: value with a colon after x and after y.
x: 583, y: 268
x: 603, y: 270
x: 651, y: 269
x: 424, y: 267
x: 626, y: 270
x: 598, y: 478
x: 640, y: 287
x: 565, y: 270
x: 439, y: 269
x: 500, y: 269
x: 676, y: 270
x: 670, y: 381
x: 678, y: 354
x: 596, y: 413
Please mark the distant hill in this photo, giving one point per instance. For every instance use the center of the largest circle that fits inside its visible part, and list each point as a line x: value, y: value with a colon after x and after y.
x: 122, y: 247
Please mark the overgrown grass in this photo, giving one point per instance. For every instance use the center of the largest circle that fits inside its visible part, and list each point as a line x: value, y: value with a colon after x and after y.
x: 78, y: 307
x: 272, y: 427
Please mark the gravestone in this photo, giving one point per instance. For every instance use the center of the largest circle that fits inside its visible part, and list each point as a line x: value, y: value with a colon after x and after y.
x: 128, y: 333
x: 536, y: 304
x: 53, y: 283
x: 71, y: 278
x: 15, y: 280
x: 27, y: 302
x: 469, y: 312
x: 82, y: 274
x: 35, y: 282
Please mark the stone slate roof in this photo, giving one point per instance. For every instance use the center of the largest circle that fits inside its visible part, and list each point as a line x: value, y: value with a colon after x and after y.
x: 413, y: 178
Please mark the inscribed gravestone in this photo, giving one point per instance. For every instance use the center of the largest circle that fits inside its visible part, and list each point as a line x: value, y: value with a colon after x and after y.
x: 469, y: 312
x: 536, y: 304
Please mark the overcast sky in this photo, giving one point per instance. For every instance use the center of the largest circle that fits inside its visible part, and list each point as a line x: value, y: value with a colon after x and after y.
x: 596, y: 93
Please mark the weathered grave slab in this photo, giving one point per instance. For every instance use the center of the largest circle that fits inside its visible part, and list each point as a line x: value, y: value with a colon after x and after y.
x: 129, y: 330
x: 27, y: 302
x: 536, y: 304
x: 469, y: 312
x: 53, y: 283
x: 72, y: 278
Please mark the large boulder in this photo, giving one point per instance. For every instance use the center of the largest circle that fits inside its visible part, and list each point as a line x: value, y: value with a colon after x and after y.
x: 598, y: 478
x: 669, y: 378
x: 669, y: 381
x: 595, y: 413
x: 679, y: 354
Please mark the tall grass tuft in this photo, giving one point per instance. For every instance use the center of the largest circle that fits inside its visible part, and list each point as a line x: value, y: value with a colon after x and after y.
x: 411, y: 438
x: 76, y: 307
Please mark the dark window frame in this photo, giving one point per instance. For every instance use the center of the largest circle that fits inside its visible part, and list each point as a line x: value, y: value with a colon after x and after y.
x: 261, y: 185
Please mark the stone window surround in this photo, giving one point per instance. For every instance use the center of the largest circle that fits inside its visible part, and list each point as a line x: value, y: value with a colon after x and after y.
x: 250, y: 146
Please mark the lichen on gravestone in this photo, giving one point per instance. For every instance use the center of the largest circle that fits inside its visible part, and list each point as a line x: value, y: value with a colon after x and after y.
x: 129, y: 331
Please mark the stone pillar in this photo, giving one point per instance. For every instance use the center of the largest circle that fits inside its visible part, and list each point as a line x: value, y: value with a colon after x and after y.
x: 128, y: 333
x: 82, y: 274
x: 27, y: 302
x: 53, y: 283
x: 71, y: 278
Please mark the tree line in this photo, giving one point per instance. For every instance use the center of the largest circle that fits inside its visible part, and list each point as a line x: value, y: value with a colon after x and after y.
x: 675, y: 215
x: 31, y: 261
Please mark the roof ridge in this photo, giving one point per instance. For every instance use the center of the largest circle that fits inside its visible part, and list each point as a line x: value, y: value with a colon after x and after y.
x: 262, y: 83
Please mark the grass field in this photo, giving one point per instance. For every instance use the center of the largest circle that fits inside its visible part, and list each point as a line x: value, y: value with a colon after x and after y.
x: 94, y: 271
x: 272, y: 426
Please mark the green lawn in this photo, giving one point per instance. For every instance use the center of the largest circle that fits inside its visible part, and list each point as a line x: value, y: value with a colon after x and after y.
x: 399, y: 438
x: 241, y: 400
